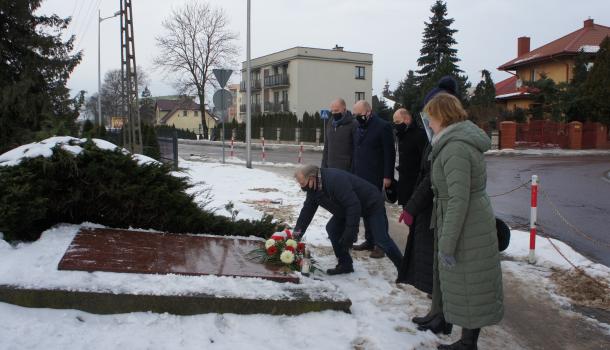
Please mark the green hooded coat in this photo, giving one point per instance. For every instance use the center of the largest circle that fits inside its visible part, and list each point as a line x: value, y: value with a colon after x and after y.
x: 465, y: 226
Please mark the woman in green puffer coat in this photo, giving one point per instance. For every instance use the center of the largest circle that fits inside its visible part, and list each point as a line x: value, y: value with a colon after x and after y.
x: 468, y: 258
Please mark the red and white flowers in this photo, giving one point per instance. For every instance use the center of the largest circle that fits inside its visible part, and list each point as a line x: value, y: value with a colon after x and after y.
x: 282, y: 249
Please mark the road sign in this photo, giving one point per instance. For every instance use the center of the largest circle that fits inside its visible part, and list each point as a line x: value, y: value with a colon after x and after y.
x: 324, y: 114
x: 222, y: 100
x: 222, y: 75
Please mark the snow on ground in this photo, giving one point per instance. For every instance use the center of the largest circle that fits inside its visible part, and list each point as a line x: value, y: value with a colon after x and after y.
x: 240, y: 185
x: 381, y: 310
x: 71, y: 144
x: 547, y: 256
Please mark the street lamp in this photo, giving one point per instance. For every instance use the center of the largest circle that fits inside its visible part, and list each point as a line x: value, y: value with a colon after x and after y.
x: 99, y: 79
x: 248, y: 97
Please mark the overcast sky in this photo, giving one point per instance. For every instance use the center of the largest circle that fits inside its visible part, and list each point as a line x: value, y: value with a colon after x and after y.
x: 389, y: 29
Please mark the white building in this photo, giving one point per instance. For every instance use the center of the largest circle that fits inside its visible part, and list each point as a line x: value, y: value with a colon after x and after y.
x: 304, y: 79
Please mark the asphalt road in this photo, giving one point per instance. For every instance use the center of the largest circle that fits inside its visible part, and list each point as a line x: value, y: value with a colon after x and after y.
x: 579, y: 186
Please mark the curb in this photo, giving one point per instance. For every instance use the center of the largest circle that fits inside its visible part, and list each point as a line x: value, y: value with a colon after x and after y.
x: 105, y: 303
x: 532, y: 152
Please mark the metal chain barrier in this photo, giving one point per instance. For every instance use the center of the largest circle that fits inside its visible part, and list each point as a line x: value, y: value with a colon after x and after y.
x: 543, y: 234
x: 563, y: 218
x: 511, y: 191
x: 569, y: 224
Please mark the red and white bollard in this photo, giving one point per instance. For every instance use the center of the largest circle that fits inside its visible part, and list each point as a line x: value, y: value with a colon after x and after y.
x: 533, y: 219
x: 301, y: 154
x: 232, y: 140
x: 263, y: 142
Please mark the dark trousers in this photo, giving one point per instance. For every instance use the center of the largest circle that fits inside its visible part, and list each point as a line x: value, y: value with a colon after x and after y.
x: 335, y: 228
x: 368, y: 234
x: 378, y: 225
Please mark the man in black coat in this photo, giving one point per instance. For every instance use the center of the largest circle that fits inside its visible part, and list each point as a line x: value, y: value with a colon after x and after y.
x: 338, y: 141
x: 348, y: 198
x: 374, y: 158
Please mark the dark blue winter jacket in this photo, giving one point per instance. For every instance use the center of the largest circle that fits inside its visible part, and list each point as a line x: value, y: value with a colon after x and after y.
x: 345, y: 196
x: 374, y: 153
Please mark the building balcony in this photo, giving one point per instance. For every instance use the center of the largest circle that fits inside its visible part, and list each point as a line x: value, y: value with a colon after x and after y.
x: 278, y: 80
x: 272, y: 107
x: 256, y: 108
x: 255, y: 85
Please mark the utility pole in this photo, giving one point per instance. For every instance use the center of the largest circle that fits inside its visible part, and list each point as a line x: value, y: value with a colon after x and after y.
x: 99, y: 64
x: 132, y: 136
x: 248, y: 98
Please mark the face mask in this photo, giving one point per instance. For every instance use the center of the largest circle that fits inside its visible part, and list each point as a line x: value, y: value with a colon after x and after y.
x: 337, y: 116
x: 361, y: 119
x: 400, y: 128
x: 306, y: 188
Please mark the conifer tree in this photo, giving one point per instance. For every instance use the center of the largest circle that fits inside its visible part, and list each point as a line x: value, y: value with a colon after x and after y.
x: 35, y: 63
x: 407, y: 93
x: 438, y: 56
x: 483, y: 109
x: 595, y: 88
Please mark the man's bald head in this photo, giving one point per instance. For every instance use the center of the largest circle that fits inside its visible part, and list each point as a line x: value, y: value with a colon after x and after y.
x: 338, y: 106
x: 402, y: 116
x: 362, y: 108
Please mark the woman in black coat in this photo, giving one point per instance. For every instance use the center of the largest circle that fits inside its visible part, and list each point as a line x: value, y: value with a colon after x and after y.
x: 416, y: 267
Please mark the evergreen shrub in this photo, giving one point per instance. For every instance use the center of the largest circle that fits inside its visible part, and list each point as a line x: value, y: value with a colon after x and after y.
x: 108, y: 188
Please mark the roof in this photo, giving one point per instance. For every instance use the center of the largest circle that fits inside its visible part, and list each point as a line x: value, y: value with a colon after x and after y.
x: 588, y: 38
x: 302, y: 52
x: 507, y: 89
x: 180, y: 105
x: 170, y: 104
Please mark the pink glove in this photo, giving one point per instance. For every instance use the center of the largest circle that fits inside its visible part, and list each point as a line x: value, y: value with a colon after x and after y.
x: 406, y: 218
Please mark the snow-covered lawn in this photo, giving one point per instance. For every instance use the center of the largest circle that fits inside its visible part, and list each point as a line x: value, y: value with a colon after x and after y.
x: 381, y: 310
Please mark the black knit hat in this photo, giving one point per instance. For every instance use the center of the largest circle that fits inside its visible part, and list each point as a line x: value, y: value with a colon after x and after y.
x: 445, y: 84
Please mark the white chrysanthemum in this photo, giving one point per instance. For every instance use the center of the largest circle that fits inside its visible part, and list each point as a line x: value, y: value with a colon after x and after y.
x: 269, y: 243
x: 287, y: 257
x: 291, y: 243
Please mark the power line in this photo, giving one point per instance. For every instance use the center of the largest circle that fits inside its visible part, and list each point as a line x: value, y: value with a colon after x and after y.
x: 90, y: 14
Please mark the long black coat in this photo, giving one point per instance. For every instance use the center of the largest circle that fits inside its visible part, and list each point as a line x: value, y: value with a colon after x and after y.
x: 345, y: 196
x: 411, y: 145
x: 417, y: 264
x: 374, y: 153
x: 339, y: 143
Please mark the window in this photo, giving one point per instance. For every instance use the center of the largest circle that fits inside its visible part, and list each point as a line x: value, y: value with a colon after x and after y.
x: 359, y: 72
x: 184, y: 113
x: 196, y: 113
x: 359, y: 96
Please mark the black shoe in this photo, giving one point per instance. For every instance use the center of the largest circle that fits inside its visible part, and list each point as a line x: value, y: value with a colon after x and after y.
x: 340, y: 269
x: 468, y: 341
x: 364, y: 246
x: 377, y: 253
x: 423, y: 320
x: 437, y: 325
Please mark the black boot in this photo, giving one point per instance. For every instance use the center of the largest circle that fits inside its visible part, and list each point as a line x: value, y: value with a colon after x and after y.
x: 468, y: 341
x: 422, y: 320
x: 437, y: 325
x: 340, y: 269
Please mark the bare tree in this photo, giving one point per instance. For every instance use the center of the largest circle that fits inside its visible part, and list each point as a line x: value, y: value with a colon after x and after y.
x: 197, y: 39
x: 111, y: 94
